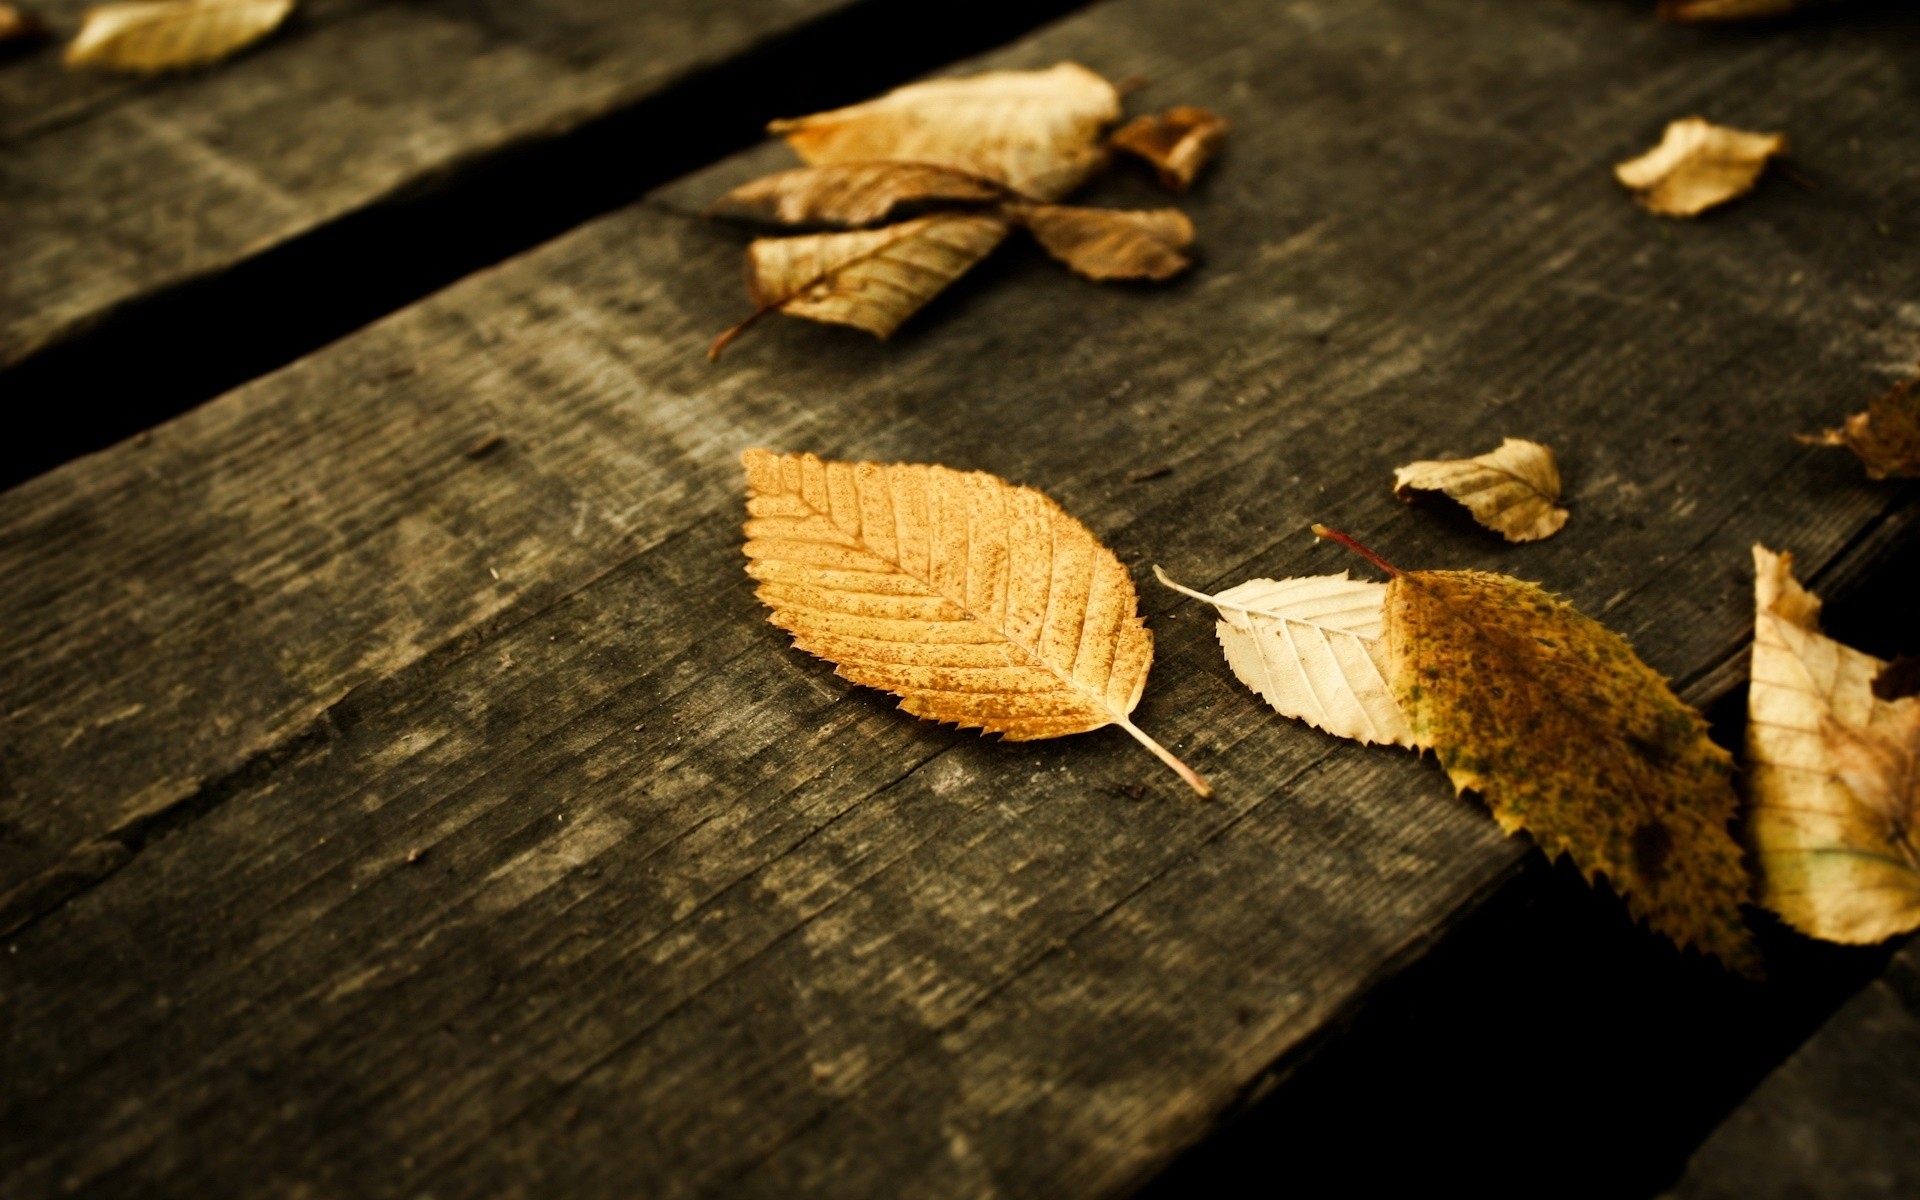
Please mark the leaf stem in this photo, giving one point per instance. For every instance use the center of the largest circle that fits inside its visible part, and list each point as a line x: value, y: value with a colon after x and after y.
x: 720, y: 343
x: 1353, y: 544
x: 1160, y: 752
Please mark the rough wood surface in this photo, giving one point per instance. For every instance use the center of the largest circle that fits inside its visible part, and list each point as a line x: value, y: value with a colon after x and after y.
x: 114, y: 187
x: 1839, y: 1120
x: 388, y: 813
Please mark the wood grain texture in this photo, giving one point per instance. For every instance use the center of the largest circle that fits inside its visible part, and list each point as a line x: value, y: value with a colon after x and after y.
x: 1837, y: 1120
x: 112, y: 189
x: 340, y: 864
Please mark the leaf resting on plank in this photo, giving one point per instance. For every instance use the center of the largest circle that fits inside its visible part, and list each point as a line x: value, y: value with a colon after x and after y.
x: 1038, y: 132
x: 1831, y: 774
x: 1886, y: 437
x: 1565, y: 733
x: 849, y: 194
x: 974, y: 601
x: 1704, y: 11
x: 149, y: 36
x: 1698, y: 165
x: 1311, y: 648
x: 1511, y: 490
x: 1108, y: 244
x: 1179, y: 143
x: 872, y: 279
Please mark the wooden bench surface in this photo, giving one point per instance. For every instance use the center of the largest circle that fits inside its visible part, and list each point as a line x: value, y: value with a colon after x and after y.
x: 379, y: 817
x: 114, y: 188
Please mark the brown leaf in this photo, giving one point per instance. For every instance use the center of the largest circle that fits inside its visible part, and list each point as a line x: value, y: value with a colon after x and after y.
x: 1830, y: 819
x: 149, y: 36
x: 1179, y: 142
x: 872, y: 279
x: 1705, y: 11
x: 1037, y: 132
x: 1511, y: 490
x: 1565, y: 733
x: 1698, y: 165
x: 19, y: 25
x: 1109, y: 244
x: 1886, y: 437
x: 849, y: 194
x: 974, y: 601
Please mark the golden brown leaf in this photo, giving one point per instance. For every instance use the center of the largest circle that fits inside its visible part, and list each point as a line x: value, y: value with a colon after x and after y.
x: 851, y: 194
x: 148, y: 36
x: 1886, y: 437
x: 974, y: 601
x: 1179, y: 142
x: 18, y: 25
x: 1698, y: 165
x: 1037, y: 132
x: 1830, y: 822
x: 1511, y: 490
x: 1108, y: 243
x: 1705, y: 11
x: 872, y: 279
x: 1565, y: 733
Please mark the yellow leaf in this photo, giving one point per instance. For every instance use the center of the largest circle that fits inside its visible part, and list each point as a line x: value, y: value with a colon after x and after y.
x: 1311, y: 648
x: 872, y: 279
x: 1565, y: 733
x: 1886, y: 437
x: 1179, y: 142
x: 1835, y: 834
x: 1698, y: 165
x: 847, y: 194
x: 1107, y: 244
x: 1511, y: 490
x: 148, y: 36
x: 974, y: 601
x: 1038, y: 132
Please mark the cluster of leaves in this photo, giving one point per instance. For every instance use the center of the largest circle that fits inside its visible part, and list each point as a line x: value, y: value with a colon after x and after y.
x: 148, y: 37
x: 975, y: 158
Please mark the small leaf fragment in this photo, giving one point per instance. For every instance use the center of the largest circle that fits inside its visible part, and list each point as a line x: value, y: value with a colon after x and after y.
x: 1512, y: 490
x: 149, y: 36
x: 1179, y: 142
x: 1311, y: 648
x: 1107, y: 244
x: 975, y: 601
x: 1698, y: 165
x: 852, y: 194
x: 1886, y: 437
x: 18, y: 25
x: 1833, y: 811
x: 1705, y: 11
x: 1037, y: 132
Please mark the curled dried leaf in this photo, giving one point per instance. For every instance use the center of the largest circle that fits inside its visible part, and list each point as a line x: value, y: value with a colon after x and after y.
x: 1512, y: 490
x: 975, y: 601
x: 1311, y: 648
x: 1830, y: 774
x: 872, y: 279
x: 1108, y: 244
x: 1706, y: 11
x: 149, y: 36
x: 1886, y: 437
x: 849, y: 194
x: 1698, y: 165
x: 1179, y: 142
x: 1037, y: 132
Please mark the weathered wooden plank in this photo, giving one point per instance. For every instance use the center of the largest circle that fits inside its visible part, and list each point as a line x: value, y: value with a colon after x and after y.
x: 112, y: 189
x: 686, y: 913
x: 1838, y: 1120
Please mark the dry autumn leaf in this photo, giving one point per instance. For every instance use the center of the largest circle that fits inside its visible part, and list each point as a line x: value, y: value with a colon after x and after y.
x: 1705, y: 11
x: 1886, y: 437
x: 1565, y: 733
x: 1511, y: 490
x: 149, y: 36
x: 1698, y: 165
x: 872, y: 279
x: 1179, y: 143
x: 1107, y: 244
x: 974, y: 601
x: 1830, y: 777
x: 1037, y: 132
x: 849, y: 194
x: 1311, y: 648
